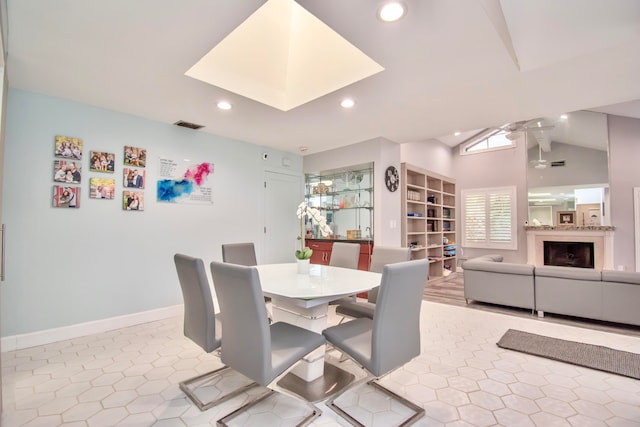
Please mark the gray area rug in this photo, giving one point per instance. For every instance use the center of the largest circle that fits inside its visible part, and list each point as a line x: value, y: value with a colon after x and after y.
x: 587, y: 355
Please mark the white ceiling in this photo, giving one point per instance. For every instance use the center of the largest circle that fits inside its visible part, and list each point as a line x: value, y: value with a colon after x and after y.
x: 449, y: 65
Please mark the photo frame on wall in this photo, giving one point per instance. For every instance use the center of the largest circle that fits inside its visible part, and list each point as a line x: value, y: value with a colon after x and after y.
x: 67, y: 171
x: 133, y: 178
x: 68, y: 147
x: 102, y: 188
x: 566, y: 218
x: 135, y: 156
x: 66, y: 196
x: 133, y: 200
x: 100, y: 161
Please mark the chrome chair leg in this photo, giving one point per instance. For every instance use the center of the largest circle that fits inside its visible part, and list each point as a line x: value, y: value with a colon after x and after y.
x: 315, y: 412
x: 203, y: 406
x: 372, y: 381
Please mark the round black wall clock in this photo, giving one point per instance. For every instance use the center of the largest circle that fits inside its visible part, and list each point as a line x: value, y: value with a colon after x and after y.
x: 391, y: 178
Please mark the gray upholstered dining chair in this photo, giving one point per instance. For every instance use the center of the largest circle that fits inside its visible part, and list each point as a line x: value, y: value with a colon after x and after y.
x: 345, y: 255
x: 260, y: 351
x: 239, y: 253
x: 242, y: 254
x: 381, y: 256
x: 391, y: 338
x: 201, y: 325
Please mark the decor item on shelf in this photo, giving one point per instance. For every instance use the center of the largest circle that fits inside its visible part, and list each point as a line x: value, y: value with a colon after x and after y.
x: 321, y: 188
x: 413, y: 195
x: 354, y: 234
x: 304, y: 253
x: 566, y: 217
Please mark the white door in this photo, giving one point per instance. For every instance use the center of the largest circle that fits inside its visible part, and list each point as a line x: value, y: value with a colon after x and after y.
x: 283, y: 193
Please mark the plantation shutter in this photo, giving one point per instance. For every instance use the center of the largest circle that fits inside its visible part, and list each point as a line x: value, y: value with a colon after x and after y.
x: 489, y: 218
x: 475, y: 218
x: 500, y: 217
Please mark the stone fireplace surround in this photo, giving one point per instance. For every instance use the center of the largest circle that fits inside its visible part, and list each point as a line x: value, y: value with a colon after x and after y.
x: 600, y: 236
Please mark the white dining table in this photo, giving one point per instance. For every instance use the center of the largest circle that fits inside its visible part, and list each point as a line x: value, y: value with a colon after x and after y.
x: 303, y: 300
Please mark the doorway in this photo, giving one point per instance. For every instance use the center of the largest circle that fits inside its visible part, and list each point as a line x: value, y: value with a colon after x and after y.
x: 282, y: 195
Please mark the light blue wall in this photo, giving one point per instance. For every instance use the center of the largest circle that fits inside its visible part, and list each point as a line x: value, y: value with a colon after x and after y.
x: 69, y: 266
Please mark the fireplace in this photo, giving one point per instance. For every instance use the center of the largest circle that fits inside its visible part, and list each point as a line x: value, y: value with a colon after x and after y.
x: 569, y: 254
x: 600, y: 236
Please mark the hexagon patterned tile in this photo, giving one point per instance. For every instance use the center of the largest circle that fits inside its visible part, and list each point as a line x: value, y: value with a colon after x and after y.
x: 130, y: 376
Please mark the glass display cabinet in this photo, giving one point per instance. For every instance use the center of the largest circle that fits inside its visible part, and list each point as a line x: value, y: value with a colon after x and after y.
x: 345, y: 198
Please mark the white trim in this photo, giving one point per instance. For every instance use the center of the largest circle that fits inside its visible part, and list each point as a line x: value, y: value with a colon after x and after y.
x: 636, y: 227
x: 47, y: 336
x: 464, y: 147
x: 602, y: 244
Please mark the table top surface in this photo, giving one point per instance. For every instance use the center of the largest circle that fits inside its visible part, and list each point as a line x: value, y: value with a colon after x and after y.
x: 322, y: 281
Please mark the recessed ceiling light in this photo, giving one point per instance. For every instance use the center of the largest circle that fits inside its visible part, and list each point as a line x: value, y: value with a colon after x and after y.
x: 392, y: 11
x: 564, y: 117
x: 456, y: 134
x: 347, y: 103
x: 303, y: 148
x: 224, y: 105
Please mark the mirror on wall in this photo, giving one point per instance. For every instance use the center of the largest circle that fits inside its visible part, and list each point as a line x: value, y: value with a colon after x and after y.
x: 567, y: 170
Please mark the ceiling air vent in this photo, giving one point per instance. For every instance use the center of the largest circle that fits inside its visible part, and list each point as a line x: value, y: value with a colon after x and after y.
x: 557, y: 163
x: 184, y: 124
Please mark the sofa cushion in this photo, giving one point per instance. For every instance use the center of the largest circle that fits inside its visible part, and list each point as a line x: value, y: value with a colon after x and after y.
x: 570, y: 296
x: 499, y: 267
x: 489, y: 257
x: 568, y: 273
x: 621, y: 277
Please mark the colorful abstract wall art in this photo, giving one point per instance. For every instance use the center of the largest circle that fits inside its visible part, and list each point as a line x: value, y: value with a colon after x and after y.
x: 185, y: 183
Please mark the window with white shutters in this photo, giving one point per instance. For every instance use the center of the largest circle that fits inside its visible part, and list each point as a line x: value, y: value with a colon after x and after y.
x: 489, y: 218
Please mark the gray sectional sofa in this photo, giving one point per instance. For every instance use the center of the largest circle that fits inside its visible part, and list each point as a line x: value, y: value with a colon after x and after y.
x: 488, y: 279
x: 611, y: 296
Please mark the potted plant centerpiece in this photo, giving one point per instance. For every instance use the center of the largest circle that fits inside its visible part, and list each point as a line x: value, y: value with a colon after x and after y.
x: 304, y: 253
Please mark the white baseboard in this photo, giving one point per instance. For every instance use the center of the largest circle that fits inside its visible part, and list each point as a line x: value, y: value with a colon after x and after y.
x: 47, y: 336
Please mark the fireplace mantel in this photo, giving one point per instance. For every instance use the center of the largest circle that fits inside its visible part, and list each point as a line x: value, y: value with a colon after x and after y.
x: 569, y: 228
x: 600, y: 236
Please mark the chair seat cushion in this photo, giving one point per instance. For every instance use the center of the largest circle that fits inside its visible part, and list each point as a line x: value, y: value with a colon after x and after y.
x: 354, y: 338
x: 289, y: 344
x: 356, y: 309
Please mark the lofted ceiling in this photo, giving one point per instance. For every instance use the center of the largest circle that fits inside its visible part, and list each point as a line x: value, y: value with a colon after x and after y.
x: 448, y: 65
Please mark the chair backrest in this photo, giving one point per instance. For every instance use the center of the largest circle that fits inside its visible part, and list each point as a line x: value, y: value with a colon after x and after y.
x: 239, y: 253
x: 199, y: 313
x: 396, y: 322
x: 345, y: 255
x: 381, y: 256
x: 247, y: 337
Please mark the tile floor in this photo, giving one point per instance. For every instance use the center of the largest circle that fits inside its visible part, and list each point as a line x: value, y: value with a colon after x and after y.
x: 129, y: 377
